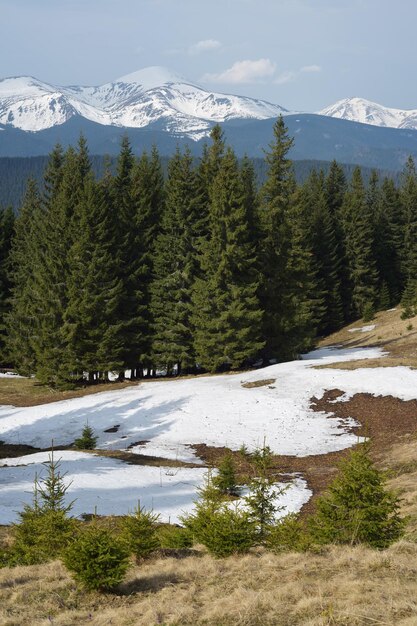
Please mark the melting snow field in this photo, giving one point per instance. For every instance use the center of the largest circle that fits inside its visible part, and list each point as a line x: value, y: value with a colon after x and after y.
x: 113, y: 487
x: 164, y: 418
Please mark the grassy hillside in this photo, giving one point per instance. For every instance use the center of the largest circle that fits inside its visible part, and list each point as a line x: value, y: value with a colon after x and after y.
x: 333, y: 586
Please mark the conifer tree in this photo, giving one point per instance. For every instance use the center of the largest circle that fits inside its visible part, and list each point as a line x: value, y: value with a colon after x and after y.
x: 7, y: 220
x: 175, y: 266
x: 58, y: 229
x: 321, y: 234
x: 227, y: 314
x: 408, y: 195
x: 358, y: 232
x: 21, y: 321
x: 383, y: 203
x: 336, y: 188
x: 91, y: 330
x: 130, y: 310
x: 148, y: 203
x: 275, y: 200
x: 288, y: 281
x: 357, y: 507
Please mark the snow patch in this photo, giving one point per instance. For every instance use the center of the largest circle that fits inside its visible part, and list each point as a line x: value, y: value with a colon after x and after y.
x: 114, y: 487
x: 363, y: 329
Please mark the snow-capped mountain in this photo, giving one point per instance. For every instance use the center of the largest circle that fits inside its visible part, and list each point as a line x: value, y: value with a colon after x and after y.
x: 366, y: 112
x: 152, y: 96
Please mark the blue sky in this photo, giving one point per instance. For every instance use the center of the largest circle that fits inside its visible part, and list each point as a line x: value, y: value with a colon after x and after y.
x: 302, y: 54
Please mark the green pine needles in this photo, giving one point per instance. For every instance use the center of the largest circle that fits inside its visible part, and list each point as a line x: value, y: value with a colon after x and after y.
x: 44, y: 528
x: 357, y: 507
x: 88, y: 439
x: 97, y: 559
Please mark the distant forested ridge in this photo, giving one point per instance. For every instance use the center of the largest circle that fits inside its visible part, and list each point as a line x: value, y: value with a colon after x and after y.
x: 15, y: 172
x: 190, y: 264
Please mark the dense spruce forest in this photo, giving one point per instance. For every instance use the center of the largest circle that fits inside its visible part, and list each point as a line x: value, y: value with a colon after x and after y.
x: 15, y: 171
x: 198, y: 270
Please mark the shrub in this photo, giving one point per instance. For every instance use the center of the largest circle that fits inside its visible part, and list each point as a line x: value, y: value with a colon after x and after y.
x: 97, y: 559
x: 223, y: 530
x: 174, y: 537
x: 357, y: 507
x: 260, y: 500
x: 225, y: 481
x: 41, y: 537
x: 288, y: 535
x: 44, y: 528
x: 139, y: 532
x: 88, y: 439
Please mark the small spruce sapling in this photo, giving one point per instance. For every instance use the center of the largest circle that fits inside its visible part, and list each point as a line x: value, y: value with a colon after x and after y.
x: 357, y: 507
x: 88, y: 439
x: 221, y: 529
x: 260, y: 500
x: 288, y: 534
x: 44, y: 528
x: 139, y: 532
x: 225, y: 480
x: 97, y: 559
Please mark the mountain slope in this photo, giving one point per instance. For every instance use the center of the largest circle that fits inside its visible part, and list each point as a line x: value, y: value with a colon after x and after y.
x: 153, y: 97
x: 316, y: 138
x: 366, y: 112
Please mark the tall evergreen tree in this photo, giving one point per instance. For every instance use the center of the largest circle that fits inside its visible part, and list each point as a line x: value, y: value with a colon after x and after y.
x: 408, y: 195
x: 21, y: 321
x: 336, y: 188
x: 321, y: 234
x: 148, y: 203
x: 227, y: 314
x: 358, y: 231
x: 131, y: 306
x: 289, y: 311
x: 7, y: 220
x: 57, y: 230
x: 175, y: 265
x: 91, y: 330
x: 384, y: 247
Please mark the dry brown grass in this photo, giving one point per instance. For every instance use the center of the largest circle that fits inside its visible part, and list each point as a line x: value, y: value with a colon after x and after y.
x: 29, y: 392
x: 397, y: 337
x: 337, y: 586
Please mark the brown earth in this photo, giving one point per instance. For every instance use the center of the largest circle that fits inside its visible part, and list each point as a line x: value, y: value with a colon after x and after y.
x: 384, y: 419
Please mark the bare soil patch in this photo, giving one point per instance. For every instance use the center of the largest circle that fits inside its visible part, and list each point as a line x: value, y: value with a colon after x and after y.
x: 259, y: 383
x: 384, y: 419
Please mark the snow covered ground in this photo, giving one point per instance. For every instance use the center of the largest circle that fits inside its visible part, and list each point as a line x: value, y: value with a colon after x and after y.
x: 164, y: 418
x: 113, y: 487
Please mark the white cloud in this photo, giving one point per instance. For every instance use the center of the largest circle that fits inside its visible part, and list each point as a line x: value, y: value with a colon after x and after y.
x: 243, y: 72
x: 285, y: 77
x: 311, y: 69
x: 205, y: 45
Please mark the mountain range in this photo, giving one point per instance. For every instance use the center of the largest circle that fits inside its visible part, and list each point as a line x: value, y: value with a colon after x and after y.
x: 157, y: 106
x: 153, y: 97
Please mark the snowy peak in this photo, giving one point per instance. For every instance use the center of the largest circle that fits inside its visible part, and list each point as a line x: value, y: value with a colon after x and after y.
x: 151, y: 77
x: 154, y: 96
x: 366, y: 112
